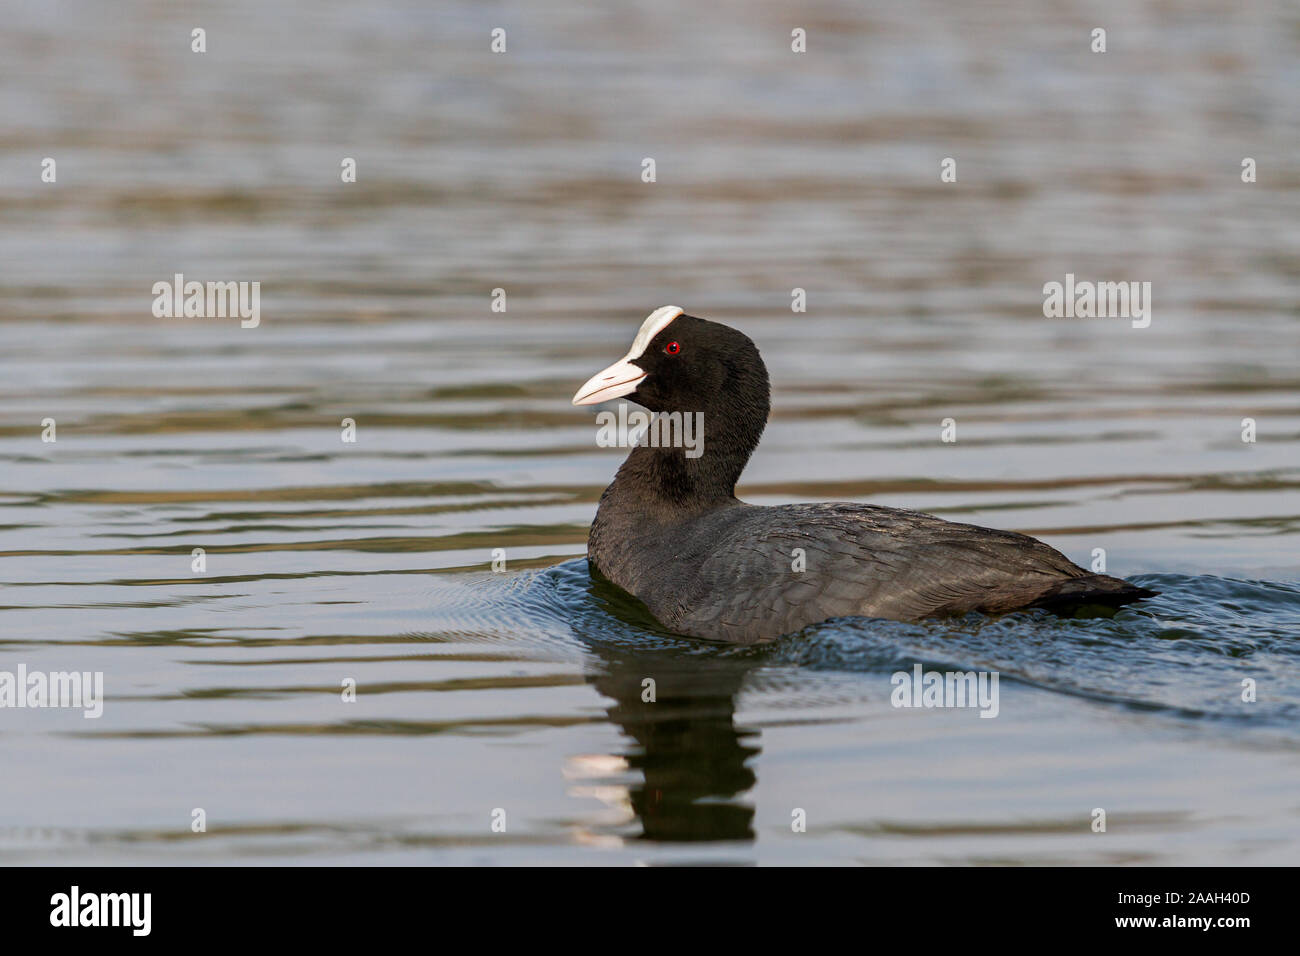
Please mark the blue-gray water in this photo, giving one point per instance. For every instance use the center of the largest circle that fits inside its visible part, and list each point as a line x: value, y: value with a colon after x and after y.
x: 521, y: 691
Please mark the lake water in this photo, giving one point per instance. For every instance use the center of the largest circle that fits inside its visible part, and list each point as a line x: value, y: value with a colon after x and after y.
x: 521, y: 691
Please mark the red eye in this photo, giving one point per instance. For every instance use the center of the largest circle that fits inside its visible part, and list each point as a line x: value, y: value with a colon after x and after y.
x: 672, y: 348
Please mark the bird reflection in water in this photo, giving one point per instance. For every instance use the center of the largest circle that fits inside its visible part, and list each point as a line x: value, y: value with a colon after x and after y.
x: 686, y: 769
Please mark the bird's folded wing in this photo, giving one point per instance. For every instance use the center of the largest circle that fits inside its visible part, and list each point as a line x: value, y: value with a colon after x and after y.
x: 765, y: 577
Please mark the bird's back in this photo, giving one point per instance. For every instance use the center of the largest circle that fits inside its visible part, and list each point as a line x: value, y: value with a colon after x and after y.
x: 748, y: 573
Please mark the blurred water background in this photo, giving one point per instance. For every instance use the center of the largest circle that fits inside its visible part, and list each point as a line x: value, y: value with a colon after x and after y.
x: 521, y: 691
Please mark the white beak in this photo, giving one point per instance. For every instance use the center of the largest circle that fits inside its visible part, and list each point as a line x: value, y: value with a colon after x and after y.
x: 618, y: 380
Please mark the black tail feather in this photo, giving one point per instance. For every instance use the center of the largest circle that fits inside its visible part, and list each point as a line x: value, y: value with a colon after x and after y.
x: 1091, y: 590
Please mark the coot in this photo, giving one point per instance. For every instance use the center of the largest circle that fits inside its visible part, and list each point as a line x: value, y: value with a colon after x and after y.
x: 671, y: 532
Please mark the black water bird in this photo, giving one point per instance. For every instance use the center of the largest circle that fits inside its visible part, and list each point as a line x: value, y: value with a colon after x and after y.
x: 671, y: 532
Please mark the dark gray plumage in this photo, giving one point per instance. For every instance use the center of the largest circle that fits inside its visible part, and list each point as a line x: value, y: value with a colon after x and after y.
x: 670, y: 531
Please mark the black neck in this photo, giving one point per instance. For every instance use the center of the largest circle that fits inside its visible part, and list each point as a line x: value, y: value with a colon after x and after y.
x: 667, y: 478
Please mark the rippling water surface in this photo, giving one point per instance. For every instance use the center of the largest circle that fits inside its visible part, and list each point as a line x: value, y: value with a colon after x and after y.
x: 522, y: 691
